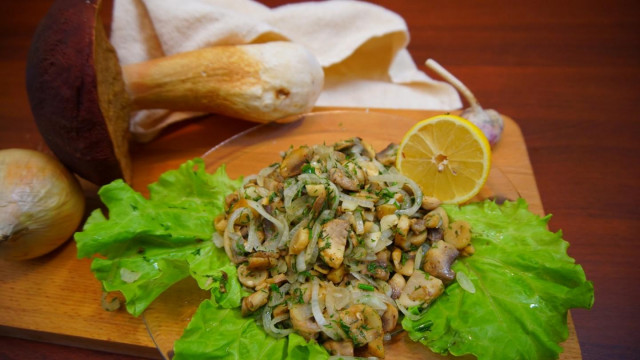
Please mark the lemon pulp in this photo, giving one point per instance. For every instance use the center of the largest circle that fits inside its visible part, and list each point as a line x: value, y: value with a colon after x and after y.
x: 448, y: 156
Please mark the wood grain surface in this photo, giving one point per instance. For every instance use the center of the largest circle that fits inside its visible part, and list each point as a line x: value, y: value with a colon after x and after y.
x: 567, y: 71
x: 67, y: 308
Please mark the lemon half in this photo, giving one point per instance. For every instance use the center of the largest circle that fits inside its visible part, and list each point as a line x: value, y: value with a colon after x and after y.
x: 448, y: 156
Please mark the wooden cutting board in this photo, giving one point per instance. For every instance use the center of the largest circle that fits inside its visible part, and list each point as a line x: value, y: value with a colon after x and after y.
x: 55, y: 298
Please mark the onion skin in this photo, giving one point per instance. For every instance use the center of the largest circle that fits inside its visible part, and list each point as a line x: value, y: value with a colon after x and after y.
x: 41, y: 204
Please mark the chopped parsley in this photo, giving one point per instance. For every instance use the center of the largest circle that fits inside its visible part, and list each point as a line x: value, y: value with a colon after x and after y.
x: 274, y: 288
x: 327, y: 243
x: 385, y: 194
x: 240, y: 248
x: 372, y: 267
x: 308, y: 169
x: 404, y: 258
x: 298, y: 296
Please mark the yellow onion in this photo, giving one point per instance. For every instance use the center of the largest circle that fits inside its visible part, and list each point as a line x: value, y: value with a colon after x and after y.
x: 41, y: 204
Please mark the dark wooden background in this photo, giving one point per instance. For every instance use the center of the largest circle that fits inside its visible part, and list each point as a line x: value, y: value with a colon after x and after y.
x: 566, y: 71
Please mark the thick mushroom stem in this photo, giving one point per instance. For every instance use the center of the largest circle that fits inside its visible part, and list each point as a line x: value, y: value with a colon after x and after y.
x: 256, y: 82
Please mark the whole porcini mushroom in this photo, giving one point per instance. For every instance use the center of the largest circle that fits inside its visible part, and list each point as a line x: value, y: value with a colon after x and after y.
x: 81, y: 97
x: 488, y: 120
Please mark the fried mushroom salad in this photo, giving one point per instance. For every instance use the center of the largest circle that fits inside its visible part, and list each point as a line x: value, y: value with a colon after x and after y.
x: 333, y: 243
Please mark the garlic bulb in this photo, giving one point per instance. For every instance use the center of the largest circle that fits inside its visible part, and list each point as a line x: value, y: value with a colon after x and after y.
x: 489, y: 120
x: 41, y: 204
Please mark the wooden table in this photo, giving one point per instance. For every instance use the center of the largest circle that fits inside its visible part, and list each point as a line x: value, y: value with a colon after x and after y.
x: 566, y: 71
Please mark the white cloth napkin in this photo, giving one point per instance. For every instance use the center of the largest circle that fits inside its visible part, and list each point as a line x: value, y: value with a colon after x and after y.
x: 361, y: 47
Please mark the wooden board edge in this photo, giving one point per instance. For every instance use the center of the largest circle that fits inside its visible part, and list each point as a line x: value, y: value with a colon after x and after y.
x: 82, y: 342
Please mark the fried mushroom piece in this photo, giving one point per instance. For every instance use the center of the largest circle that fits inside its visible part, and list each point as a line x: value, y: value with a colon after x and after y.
x: 418, y: 225
x: 436, y: 218
x: 458, y: 234
x: 430, y: 203
x: 319, y: 203
x: 299, y: 242
x: 397, y: 283
x: 389, y: 318
x: 418, y: 239
x: 387, y: 156
x: 363, y: 325
x: 273, y: 185
x: 302, y: 320
x: 343, y: 179
x: 402, y: 232
x: 342, y: 348
x: 384, y: 210
x: 438, y: 260
x: 261, y: 260
x: 333, y: 241
x: 336, y: 275
x: 251, y: 278
x: 345, y: 144
x: 254, y: 301
x: 379, y: 268
x: 220, y: 223
x: 403, y: 263
x: 421, y: 289
x: 356, y: 171
x: 368, y: 149
x: 281, y: 310
x: 435, y: 234
x: 293, y: 161
x: 230, y: 199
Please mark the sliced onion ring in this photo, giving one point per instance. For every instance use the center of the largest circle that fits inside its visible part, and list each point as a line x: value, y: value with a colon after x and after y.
x: 408, y: 313
x: 360, y: 202
x: 398, y: 178
x: 317, y: 312
x: 269, y: 324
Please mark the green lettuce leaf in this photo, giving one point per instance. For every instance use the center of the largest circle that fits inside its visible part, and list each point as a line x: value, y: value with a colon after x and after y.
x: 141, y: 279
x: 179, y: 211
x: 224, y: 334
x: 299, y: 348
x: 524, y: 285
x: 147, y: 245
x: 213, y: 271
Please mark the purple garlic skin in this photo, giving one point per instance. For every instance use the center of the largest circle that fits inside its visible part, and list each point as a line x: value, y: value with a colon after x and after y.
x: 489, y: 121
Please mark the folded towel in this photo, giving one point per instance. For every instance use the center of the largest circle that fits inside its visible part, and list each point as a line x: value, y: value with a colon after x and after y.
x: 361, y: 47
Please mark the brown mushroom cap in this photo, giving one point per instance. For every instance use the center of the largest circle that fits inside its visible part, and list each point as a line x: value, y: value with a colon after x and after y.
x: 76, y: 92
